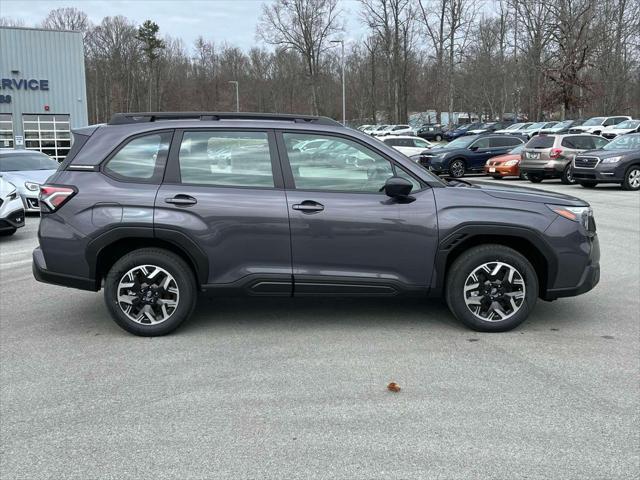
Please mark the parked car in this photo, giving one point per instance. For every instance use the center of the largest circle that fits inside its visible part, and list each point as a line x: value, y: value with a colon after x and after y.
x: 550, y: 156
x: 11, y: 209
x: 382, y: 130
x: 431, y: 132
x: 461, y: 130
x: 401, y: 130
x: 466, y: 154
x: 369, y: 129
x: 27, y: 170
x: 507, y: 165
x: 362, y: 128
x: 535, y: 128
x: 488, y: 127
x: 616, y: 162
x: 622, y: 128
x: 145, y: 209
x: 377, y: 128
x: 562, y: 127
x: 596, y: 125
x: 407, y: 144
x: 513, y: 128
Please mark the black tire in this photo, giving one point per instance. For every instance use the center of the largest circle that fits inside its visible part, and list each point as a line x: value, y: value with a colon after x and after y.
x: 524, y: 176
x: 171, y: 263
x: 438, y: 138
x: 631, y: 176
x: 8, y: 233
x: 461, y: 269
x: 497, y: 177
x: 567, y: 176
x: 533, y: 178
x: 457, y: 168
x: 588, y: 184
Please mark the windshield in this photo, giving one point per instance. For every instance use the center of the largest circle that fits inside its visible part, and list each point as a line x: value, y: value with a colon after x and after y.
x: 628, y: 124
x: 515, y: 126
x: 625, y: 142
x: 593, y: 121
x: 462, y: 142
x: 21, y: 162
x: 537, y: 125
x: 564, y: 124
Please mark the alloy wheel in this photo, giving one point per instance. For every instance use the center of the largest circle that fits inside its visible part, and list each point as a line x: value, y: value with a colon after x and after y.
x: 494, y: 291
x: 457, y: 169
x: 634, y: 178
x: 148, y: 294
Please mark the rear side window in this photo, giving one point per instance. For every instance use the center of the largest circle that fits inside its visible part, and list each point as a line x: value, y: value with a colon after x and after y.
x: 505, y: 141
x: 226, y: 158
x: 541, y: 141
x: 141, y: 159
x: 579, y: 142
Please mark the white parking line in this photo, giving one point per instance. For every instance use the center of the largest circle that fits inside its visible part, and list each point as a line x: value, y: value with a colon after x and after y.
x: 17, y: 262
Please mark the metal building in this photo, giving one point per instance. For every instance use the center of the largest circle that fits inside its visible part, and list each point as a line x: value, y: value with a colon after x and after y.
x: 43, y: 92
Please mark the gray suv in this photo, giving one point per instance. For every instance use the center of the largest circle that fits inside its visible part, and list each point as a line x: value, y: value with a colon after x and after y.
x: 157, y: 207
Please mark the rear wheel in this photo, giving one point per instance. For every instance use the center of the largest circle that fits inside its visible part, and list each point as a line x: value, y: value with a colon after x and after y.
x: 438, y: 138
x: 588, y: 184
x: 534, y: 178
x: 457, y: 168
x: 632, y: 178
x: 491, y: 288
x: 567, y: 176
x: 150, y: 292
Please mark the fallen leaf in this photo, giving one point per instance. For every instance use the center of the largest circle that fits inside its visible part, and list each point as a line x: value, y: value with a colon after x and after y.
x: 394, y: 387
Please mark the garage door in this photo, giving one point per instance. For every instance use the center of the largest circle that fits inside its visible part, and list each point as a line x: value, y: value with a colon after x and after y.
x: 48, y: 134
x: 6, y: 131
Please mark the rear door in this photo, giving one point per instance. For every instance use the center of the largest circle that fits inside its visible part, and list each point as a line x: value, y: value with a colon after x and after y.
x: 223, y: 191
x: 479, y: 152
x: 348, y: 237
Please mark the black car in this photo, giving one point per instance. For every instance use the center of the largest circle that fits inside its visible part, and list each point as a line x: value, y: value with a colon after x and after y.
x: 468, y: 153
x: 488, y: 127
x: 433, y: 133
x: 616, y: 162
x: 461, y: 130
x: 158, y: 207
x: 564, y: 126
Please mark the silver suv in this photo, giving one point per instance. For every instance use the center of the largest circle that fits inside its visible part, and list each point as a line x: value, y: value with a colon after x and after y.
x: 550, y: 156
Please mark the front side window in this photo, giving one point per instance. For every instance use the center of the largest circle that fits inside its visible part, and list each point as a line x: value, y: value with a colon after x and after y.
x: 228, y: 158
x: 338, y: 165
x: 481, y: 143
x: 141, y: 159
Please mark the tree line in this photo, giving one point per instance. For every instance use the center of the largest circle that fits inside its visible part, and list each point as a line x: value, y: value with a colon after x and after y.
x: 538, y: 59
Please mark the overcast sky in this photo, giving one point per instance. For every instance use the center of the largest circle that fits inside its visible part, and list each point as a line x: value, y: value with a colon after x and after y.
x: 233, y: 21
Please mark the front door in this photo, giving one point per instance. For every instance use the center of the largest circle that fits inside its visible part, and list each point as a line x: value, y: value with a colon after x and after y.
x: 347, y: 237
x: 223, y: 190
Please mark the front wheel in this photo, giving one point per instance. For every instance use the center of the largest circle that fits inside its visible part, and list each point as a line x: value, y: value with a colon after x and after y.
x: 632, y: 178
x: 588, y: 184
x: 533, y: 178
x: 150, y: 292
x: 497, y: 177
x: 457, y: 168
x: 491, y: 288
x: 567, y: 176
x: 8, y: 233
x: 524, y: 176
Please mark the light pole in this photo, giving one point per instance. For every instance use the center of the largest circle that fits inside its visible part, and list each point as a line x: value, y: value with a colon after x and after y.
x: 344, y: 104
x: 237, y: 95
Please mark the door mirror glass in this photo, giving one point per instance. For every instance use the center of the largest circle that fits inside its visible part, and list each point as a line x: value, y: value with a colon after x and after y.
x: 397, y: 187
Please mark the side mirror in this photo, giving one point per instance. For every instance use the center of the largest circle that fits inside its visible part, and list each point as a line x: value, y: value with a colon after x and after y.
x: 473, y: 148
x: 397, y: 187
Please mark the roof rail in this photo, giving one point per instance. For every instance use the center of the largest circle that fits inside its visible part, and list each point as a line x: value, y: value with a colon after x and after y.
x: 144, y: 117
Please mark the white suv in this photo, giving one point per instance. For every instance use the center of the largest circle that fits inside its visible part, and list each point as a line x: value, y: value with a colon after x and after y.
x: 596, y: 125
x: 401, y: 130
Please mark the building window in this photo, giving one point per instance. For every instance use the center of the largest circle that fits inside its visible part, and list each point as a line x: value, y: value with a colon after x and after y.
x: 49, y: 134
x: 6, y: 130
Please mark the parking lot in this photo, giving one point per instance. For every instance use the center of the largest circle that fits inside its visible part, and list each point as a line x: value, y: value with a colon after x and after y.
x: 296, y: 388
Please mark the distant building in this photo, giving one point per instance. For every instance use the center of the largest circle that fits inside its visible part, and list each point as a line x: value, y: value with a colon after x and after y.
x: 43, y: 93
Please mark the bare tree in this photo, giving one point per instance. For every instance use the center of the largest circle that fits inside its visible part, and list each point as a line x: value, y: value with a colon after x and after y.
x: 304, y: 26
x: 11, y: 22
x: 67, y: 18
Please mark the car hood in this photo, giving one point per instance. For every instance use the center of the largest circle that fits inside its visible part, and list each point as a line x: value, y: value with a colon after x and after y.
x: 36, y: 176
x: 527, y: 194
x: 445, y: 150
x: 505, y: 158
x: 608, y: 153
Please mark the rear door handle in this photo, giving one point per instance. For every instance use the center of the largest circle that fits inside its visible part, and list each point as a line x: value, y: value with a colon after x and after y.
x: 308, y: 206
x: 181, y: 199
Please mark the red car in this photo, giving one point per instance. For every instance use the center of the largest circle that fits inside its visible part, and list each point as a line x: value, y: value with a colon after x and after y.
x: 507, y: 165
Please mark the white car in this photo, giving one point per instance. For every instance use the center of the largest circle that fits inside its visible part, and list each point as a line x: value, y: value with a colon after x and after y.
x: 534, y: 128
x: 401, y: 130
x: 409, y: 145
x: 628, y: 126
x: 515, y: 128
x: 379, y: 130
x: 11, y: 209
x: 596, y: 125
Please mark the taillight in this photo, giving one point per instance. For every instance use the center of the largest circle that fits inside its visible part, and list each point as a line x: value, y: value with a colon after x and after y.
x: 52, y: 197
x: 555, y: 153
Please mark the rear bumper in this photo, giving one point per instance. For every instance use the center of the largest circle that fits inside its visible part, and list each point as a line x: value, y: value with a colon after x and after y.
x: 43, y: 275
x: 549, y: 170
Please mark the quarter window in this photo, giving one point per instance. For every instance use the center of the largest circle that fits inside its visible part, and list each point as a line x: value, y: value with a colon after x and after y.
x: 141, y: 159
x: 226, y: 158
x: 335, y: 164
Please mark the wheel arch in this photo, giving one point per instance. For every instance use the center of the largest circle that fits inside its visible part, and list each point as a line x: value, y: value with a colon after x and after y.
x: 526, y: 241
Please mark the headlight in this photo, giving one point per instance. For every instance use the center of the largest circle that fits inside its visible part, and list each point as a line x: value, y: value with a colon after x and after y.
x: 33, y: 187
x: 611, y: 159
x: 511, y: 163
x: 581, y: 215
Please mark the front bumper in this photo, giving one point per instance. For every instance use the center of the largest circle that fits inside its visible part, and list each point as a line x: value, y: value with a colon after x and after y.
x: 603, y: 173
x: 511, y: 171
x: 31, y: 203
x: 13, y: 220
x: 43, y: 275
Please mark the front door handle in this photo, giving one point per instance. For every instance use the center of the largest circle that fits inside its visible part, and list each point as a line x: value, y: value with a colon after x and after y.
x: 309, y: 206
x: 183, y: 200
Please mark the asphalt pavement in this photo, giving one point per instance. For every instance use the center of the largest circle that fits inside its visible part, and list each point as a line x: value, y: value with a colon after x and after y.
x: 296, y: 388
